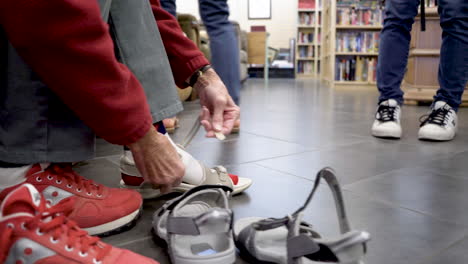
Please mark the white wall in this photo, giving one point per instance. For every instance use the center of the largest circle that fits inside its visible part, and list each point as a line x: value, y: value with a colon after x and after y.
x: 281, y: 26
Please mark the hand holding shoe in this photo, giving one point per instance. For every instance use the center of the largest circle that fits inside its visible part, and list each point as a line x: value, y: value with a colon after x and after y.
x: 158, y: 161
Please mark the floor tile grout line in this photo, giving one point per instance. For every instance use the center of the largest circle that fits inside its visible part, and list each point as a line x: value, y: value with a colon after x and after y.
x: 424, y: 260
x: 465, y: 227
x: 283, y: 172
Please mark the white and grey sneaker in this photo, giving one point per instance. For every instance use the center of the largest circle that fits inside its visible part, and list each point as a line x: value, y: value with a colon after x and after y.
x: 387, y: 120
x: 440, y: 124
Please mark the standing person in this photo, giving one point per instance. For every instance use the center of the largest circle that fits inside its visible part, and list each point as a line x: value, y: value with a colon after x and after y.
x: 441, y: 122
x: 223, y: 41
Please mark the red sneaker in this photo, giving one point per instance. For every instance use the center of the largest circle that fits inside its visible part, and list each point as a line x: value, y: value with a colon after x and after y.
x: 34, y: 233
x: 98, y: 209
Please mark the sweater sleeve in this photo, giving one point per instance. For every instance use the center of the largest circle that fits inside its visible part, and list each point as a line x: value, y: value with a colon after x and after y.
x: 184, y: 56
x: 68, y: 45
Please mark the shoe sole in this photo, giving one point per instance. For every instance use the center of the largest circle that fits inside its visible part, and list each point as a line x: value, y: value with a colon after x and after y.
x: 117, y: 226
x: 183, y: 187
x: 386, y: 135
x: 423, y: 138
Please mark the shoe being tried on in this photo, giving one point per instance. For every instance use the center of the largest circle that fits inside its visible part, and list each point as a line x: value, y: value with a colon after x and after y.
x: 387, y: 120
x: 100, y: 210
x: 196, y: 174
x: 440, y: 124
x: 34, y: 232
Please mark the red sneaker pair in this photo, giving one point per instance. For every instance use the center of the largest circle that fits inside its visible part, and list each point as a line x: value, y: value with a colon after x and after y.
x: 98, y: 209
x: 33, y: 231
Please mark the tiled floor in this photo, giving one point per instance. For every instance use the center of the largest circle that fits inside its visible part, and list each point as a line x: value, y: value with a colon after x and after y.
x: 410, y: 195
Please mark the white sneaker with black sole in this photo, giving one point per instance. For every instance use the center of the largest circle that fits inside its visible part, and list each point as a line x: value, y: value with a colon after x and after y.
x: 387, y: 120
x: 440, y: 124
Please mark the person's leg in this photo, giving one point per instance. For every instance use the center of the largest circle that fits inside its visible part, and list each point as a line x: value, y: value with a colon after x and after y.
x: 38, y: 128
x: 453, y: 67
x: 223, y: 44
x: 169, y: 6
x: 139, y: 46
x: 394, y: 47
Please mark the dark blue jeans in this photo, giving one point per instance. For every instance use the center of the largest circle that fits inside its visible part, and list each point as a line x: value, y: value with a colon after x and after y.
x: 394, y: 48
x: 223, y: 41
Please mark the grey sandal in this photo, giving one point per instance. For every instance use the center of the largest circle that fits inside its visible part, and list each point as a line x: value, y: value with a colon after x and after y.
x: 289, y: 240
x: 197, y: 226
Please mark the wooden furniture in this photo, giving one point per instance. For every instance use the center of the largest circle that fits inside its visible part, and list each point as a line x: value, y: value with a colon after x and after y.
x: 307, y: 61
x: 421, y: 83
x: 344, y: 24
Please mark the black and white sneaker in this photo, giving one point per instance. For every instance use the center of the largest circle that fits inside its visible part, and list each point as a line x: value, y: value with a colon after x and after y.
x: 387, y: 120
x: 440, y: 124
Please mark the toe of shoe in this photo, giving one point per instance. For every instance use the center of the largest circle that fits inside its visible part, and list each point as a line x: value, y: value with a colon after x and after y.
x: 433, y: 132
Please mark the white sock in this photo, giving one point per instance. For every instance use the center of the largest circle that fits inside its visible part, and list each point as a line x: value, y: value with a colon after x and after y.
x: 12, y: 176
x: 193, y: 169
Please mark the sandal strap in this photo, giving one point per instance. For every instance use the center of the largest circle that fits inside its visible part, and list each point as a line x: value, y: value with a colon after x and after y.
x: 215, y: 221
x: 173, y: 203
x: 217, y: 176
x: 300, y: 246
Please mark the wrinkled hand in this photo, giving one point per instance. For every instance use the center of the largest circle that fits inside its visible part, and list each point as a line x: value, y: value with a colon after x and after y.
x: 158, y: 161
x: 219, y: 112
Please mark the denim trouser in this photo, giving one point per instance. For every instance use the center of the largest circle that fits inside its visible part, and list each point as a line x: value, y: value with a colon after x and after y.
x: 37, y: 127
x: 223, y: 41
x: 394, y: 48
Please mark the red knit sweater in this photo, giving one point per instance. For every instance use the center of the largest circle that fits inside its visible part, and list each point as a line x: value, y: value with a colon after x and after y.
x: 68, y: 45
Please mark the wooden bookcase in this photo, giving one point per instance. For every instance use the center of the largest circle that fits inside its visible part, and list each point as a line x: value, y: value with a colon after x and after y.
x: 307, y: 62
x: 347, y: 22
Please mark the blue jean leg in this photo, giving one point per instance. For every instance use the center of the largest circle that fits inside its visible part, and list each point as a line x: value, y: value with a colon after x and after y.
x: 223, y: 44
x: 394, y: 47
x: 453, y: 67
x: 169, y: 6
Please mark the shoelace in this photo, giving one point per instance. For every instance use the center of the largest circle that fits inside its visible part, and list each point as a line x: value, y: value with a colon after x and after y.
x: 54, y: 222
x: 66, y: 172
x: 385, y: 113
x: 437, y: 116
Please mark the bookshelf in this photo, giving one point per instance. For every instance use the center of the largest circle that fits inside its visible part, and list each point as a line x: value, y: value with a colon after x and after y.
x: 350, y: 45
x: 308, y: 42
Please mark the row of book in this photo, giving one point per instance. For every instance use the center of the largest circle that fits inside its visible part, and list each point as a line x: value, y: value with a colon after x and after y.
x: 356, y: 69
x: 305, y: 51
x: 307, y: 18
x: 305, y: 37
x: 309, y: 4
x: 305, y: 67
x: 359, y: 17
x: 360, y: 4
x: 365, y: 41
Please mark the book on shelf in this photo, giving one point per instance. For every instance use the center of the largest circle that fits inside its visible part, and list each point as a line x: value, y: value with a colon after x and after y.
x: 305, y: 67
x: 358, y: 17
x: 361, y: 69
x: 307, y: 4
x: 360, y: 4
x: 306, y: 19
x: 306, y: 52
x: 305, y: 37
x: 364, y: 41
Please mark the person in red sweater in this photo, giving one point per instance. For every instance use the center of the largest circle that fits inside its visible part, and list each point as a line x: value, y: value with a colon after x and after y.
x: 77, y: 87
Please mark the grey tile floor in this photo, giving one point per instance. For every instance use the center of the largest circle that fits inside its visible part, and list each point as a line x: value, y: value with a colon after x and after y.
x: 410, y: 195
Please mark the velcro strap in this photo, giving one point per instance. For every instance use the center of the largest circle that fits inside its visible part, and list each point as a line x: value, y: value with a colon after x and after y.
x: 214, y: 221
x: 270, y: 223
x: 182, y: 226
x: 300, y: 246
